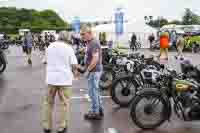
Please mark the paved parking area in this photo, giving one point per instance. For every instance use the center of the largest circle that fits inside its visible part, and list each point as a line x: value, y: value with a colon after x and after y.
x: 22, y: 87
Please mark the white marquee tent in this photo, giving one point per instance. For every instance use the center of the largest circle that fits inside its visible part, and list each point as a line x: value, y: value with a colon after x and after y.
x: 141, y: 29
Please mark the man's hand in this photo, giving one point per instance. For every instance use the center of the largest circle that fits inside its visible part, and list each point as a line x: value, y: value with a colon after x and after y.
x: 86, y: 74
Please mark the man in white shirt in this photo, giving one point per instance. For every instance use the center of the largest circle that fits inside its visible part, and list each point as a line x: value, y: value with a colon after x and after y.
x: 61, y: 63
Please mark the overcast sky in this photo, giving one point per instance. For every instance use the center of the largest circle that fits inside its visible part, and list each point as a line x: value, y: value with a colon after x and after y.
x: 104, y: 9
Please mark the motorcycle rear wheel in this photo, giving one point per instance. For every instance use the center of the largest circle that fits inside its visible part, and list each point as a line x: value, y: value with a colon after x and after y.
x: 124, y: 95
x: 149, y: 109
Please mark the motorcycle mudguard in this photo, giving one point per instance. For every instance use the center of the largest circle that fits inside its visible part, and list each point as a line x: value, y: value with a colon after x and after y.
x: 157, y: 92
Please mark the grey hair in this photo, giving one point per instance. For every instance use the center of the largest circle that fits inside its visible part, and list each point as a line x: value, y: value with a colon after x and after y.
x: 64, y: 36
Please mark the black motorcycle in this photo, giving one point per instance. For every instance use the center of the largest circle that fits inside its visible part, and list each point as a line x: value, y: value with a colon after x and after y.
x: 114, y: 66
x: 152, y: 107
x: 111, y: 67
x: 124, y: 88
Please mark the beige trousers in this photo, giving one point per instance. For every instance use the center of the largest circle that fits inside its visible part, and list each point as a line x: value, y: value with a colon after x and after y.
x: 64, y: 93
x: 180, y: 48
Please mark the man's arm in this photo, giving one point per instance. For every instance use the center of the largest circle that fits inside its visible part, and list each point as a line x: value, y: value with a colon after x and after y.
x: 73, y: 62
x: 74, y: 69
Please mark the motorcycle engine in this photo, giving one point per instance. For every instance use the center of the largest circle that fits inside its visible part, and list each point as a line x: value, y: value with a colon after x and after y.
x: 190, y: 101
x: 150, y: 74
x: 121, y: 61
x: 130, y: 66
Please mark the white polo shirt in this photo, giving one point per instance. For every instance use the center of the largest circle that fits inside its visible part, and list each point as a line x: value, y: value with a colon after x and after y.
x: 60, y: 57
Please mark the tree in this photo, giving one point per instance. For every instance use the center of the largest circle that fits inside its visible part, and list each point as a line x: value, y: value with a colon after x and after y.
x: 25, y: 18
x: 151, y: 18
x: 163, y: 22
x: 190, y: 18
x: 159, y: 22
x: 25, y: 25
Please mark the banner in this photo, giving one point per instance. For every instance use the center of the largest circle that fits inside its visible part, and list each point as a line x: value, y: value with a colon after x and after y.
x: 119, y: 19
x: 76, y: 24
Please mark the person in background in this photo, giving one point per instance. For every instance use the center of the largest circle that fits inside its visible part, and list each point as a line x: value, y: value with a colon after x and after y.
x: 133, y: 41
x: 52, y: 38
x: 151, y: 39
x: 46, y: 45
x: 28, y: 43
x: 180, y: 46
x: 61, y: 65
x: 173, y: 38
x: 93, y: 70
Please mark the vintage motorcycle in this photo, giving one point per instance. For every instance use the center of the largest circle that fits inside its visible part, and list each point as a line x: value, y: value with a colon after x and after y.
x: 152, y: 107
x: 143, y: 73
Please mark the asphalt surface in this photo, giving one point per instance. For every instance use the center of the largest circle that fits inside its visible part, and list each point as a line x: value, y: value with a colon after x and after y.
x: 22, y: 87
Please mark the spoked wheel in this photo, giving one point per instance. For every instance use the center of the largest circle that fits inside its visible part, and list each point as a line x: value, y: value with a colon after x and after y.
x: 148, y: 111
x: 123, y: 91
x: 106, y: 80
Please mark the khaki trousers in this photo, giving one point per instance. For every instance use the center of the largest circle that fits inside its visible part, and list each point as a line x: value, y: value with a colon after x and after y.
x: 64, y: 93
x: 180, y: 48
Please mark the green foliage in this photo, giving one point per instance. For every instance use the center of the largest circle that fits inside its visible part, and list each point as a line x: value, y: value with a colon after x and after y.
x: 12, y: 19
x: 157, y: 22
x: 189, y: 41
x: 190, y: 18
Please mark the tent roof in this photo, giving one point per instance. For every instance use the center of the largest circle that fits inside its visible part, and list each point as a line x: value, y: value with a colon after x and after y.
x: 137, y: 26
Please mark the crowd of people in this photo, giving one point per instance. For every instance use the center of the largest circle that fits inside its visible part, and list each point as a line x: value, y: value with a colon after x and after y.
x: 30, y: 41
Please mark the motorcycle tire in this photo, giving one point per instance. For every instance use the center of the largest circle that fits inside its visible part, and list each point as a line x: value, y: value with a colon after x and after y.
x: 127, y: 93
x: 136, y: 118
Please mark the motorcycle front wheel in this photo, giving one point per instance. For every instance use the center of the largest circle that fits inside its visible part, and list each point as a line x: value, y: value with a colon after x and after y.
x: 123, y: 91
x: 148, y: 111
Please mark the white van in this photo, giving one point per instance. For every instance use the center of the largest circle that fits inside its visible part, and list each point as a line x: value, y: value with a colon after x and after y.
x: 22, y: 31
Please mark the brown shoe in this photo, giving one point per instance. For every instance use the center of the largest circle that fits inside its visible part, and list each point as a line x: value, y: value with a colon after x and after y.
x: 29, y: 61
x: 47, y: 131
